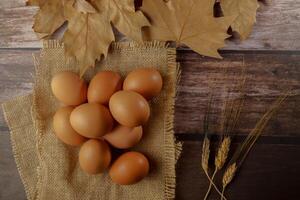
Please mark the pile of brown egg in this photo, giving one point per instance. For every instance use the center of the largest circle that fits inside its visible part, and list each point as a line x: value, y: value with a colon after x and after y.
x: 104, y: 114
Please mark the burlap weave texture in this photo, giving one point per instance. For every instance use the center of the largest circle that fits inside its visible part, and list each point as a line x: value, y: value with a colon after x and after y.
x: 55, y: 172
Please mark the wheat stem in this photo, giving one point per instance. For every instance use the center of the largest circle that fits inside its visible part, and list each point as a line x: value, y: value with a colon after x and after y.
x: 223, y: 190
x: 216, y: 188
x: 204, y: 161
x: 247, y: 145
x: 210, y: 184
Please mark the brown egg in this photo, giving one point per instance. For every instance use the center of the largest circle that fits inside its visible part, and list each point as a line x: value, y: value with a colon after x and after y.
x: 68, y: 88
x: 63, y: 129
x: 91, y: 120
x: 129, y: 168
x: 123, y: 137
x: 129, y: 108
x: 94, y: 156
x: 103, y: 86
x: 145, y: 81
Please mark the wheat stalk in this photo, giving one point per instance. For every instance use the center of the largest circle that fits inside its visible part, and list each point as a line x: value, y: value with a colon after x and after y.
x: 230, y: 116
x: 206, y: 141
x: 216, y: 188
x: 204, y: 163
x: 206, y: 144
x: 242, y: 152
x: 219, y: 161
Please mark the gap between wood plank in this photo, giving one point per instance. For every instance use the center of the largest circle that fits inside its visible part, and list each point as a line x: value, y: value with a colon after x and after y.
x: 185, y: 50
x: 264, y: 139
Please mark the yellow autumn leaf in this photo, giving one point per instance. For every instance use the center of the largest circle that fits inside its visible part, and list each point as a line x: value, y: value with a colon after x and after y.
x: 126, y: 19
x: 49, y: 17
x: 189, y: 22
x: 89, y: 32
x: 84, y: 6
x: 88, y: 35
x: 246, y: 15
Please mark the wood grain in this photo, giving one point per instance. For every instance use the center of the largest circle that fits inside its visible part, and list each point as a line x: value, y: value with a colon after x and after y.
x: 10, y: 182
x: 272, y: 164
x: 271, y: 169
x: 269, y: 76
x: 277, y: 28
x: 16, y: 21
x: 16, y: 78
x: 269, y: 172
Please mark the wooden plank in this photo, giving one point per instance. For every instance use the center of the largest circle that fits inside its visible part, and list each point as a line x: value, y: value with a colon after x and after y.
x: 16, y: 21
x: 267, y: 167
x: 270, y: 74
x: 10, y: 182
x: 17, y: 72
x: 277, y: 27
x: 269, y: 172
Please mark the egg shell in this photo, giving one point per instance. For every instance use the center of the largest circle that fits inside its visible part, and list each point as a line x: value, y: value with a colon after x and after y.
x: 94, y: 156
x: 129, y: 168
x: 146, y: 81
x: 63, y: 129
x: 103, y: 85
x: 69, y: 88
x: 91, y: 120
x: 129, y: 108
x: 123, y: 137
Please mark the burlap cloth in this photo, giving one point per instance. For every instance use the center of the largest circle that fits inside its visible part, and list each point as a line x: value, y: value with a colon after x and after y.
x: 49, y: 169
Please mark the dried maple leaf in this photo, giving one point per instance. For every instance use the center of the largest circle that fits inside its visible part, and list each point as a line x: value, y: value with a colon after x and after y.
x: 90, y: 34
x: 189, y: 22
x: 84, y: 6
x: 49, y: 18
x: 246, y: 15
x: 126, y: 19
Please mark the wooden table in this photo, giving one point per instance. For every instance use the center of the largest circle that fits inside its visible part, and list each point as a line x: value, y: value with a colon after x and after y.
x: 272, y: 58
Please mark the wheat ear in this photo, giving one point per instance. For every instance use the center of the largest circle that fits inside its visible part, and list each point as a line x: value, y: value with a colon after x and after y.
x: 206, y: 141
x: 222, y: 153
x: 228, y: 176
x: 204, y: 163
x: 220, y: 160
x: 205, y: 154
x: 242, y: 152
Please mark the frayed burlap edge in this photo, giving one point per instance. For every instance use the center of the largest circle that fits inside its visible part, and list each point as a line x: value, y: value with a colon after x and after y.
x: 171, y: 146
x: 38, y: 122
